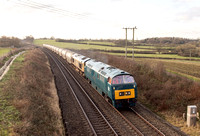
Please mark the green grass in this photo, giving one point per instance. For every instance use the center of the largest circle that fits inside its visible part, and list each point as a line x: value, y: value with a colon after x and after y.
x: 185, y: 75
x: 154, y: 47
x: 102, y: 43
x: 82, y: 46
x: 169, y: 56
x: 4, y: 51
x: 16, y: 64
x: 9, y: 115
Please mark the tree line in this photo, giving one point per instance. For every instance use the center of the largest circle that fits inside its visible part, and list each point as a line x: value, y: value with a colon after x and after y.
x: 167, y: 40
x: 10, y: 42
x: 15, y: 42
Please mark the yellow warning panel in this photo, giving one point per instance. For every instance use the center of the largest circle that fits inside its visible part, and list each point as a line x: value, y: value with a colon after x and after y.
x: 124, y: 94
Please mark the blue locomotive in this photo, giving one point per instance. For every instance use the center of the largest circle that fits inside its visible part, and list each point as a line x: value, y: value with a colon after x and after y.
x: 117, y: 86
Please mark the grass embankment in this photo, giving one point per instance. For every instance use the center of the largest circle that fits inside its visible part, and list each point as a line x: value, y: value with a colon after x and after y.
x: 30, y: 104
x: 4, y: 51
x: 161, y: 92
x: 9, y: 115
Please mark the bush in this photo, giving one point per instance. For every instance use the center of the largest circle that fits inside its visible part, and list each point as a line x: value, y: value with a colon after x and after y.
x: 10, y: 42
x: 188, y: 50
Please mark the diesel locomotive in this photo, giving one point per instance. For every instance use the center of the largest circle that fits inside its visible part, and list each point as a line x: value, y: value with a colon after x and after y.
x: 117, y: 86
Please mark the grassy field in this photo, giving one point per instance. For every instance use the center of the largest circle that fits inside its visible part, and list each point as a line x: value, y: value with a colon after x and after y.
x: 95, y: 42
x: 108, y: 48
x: 4, y: 51
x: 185, y: 68
x: 82, y: 46
x: 167, y: 56
x: 153, y: 47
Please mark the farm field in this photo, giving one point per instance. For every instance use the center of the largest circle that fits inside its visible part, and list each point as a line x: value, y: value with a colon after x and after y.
x: 3, y: 51
x: 153, y: 47
x: 185, y: 68
x: 83, y: 46
x: 164, y: 56
x: 95, y: 42
x: 110, y: 49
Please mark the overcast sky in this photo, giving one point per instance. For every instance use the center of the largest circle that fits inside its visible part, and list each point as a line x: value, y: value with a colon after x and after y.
x: 98, y: 19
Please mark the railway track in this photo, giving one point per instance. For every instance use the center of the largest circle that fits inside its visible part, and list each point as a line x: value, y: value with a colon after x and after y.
x: 101, y: 119
x: 141, y: 123
x: 158, y: 122
x: 98, y: 123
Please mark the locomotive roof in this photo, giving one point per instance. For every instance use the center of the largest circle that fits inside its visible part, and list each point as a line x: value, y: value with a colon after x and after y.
x: 104, y: 69
x: 80, y: 57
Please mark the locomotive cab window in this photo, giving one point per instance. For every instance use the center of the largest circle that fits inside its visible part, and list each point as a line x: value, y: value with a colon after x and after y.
x: 123, y: 79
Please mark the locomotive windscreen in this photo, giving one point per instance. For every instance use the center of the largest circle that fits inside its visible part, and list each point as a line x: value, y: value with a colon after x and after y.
x: 123, y: 79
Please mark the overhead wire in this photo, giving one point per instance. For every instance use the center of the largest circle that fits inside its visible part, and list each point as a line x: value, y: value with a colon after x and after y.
x: 53, y: 9
x: 49, y: 8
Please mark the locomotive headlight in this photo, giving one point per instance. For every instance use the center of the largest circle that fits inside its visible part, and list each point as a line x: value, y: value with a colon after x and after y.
x: 121, y: 94
x: 128, y: 93
x: 134, y: 86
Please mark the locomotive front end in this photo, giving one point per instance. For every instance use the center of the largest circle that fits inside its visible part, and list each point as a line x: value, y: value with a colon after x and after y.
x: 124, y: 90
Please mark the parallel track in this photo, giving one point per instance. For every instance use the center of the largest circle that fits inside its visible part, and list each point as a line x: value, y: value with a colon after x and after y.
x: 141, y: 123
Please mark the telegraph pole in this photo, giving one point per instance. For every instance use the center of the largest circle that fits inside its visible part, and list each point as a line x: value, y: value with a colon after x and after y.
x: 126, y: 43
x: 133, y: 41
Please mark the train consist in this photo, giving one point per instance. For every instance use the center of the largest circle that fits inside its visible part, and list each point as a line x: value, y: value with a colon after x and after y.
x: 117, y: 86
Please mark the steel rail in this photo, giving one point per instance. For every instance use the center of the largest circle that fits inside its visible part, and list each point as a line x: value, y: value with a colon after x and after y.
x: 147, y: 122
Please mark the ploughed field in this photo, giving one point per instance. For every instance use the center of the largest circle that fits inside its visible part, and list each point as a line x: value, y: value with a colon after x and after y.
x: 74, y: 120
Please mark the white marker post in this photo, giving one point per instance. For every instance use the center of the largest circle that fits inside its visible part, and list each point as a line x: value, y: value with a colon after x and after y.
x: 191, y: 115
